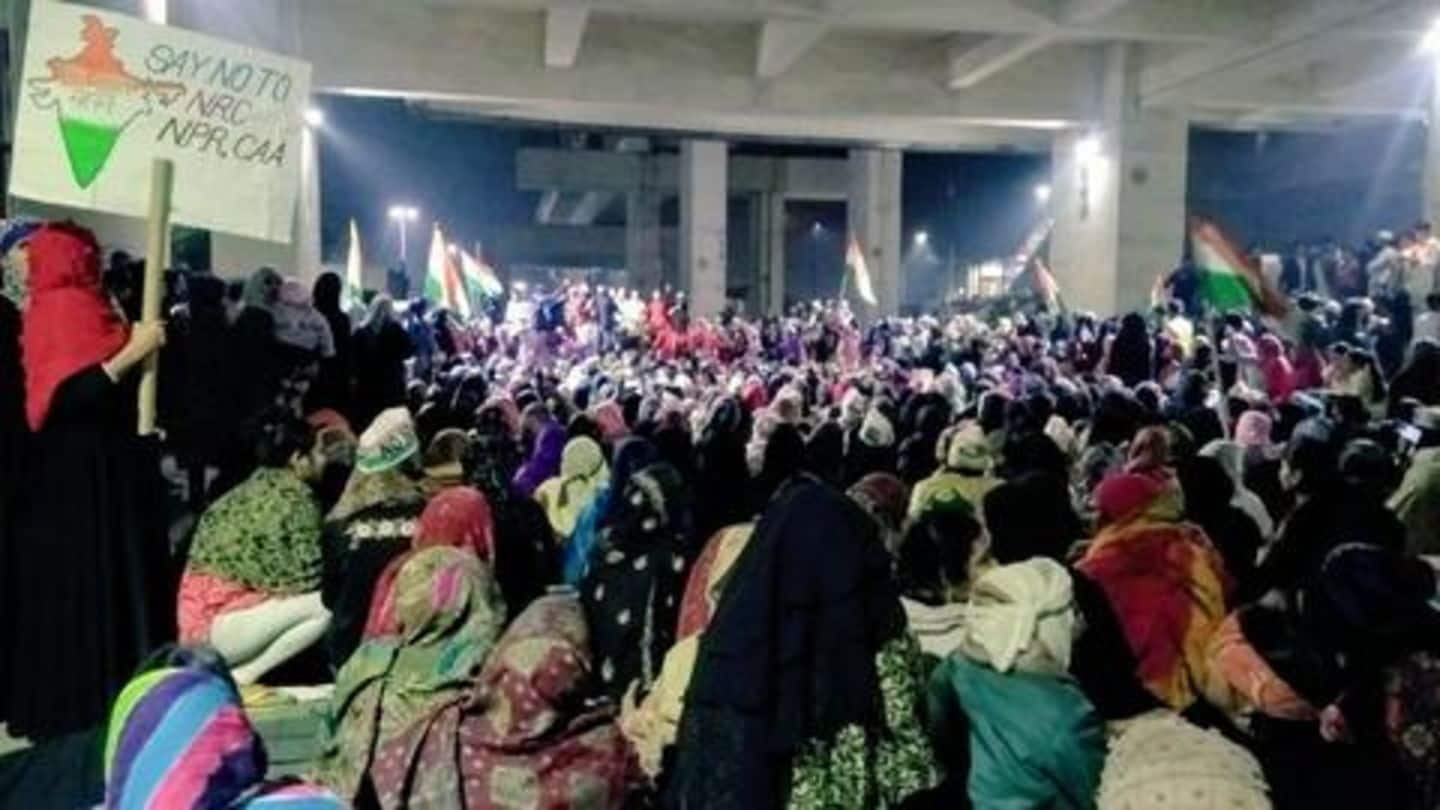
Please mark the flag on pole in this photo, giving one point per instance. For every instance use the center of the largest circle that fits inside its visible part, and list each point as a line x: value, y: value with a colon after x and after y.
x: 1046, y: 286
x: 855, y: 261
x: 354, y: 268
x: 480, y: 278
x: 443, y: 283
x: 1228, y: 278
x: 1158, y: 291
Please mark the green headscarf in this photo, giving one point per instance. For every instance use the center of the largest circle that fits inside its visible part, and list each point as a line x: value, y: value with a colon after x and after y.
x: 263, y: 534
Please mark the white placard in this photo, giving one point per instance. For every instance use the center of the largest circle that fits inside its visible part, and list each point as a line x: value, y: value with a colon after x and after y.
x: 103, y: 94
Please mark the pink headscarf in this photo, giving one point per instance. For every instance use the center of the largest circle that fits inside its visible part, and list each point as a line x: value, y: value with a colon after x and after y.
x: 611, y: 420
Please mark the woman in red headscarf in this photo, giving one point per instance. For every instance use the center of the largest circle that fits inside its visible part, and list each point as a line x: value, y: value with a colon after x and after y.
x: 91, y: 582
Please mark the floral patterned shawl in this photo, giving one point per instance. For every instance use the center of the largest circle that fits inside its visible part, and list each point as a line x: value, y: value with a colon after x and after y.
x: 450, y: 613
x: 518, y: 740
x: 264, y: 534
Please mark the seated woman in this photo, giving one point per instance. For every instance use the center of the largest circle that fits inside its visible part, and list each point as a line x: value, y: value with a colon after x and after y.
x: 251, y: 586
x: 935, y: 564
x: 830, y: 732
x: 448, y: 614
x: 519, y: 736
x: 651, y: 726
x: 1031, y: 518
x: 372, y: 524
x: 583, y: 474
x: 1160, y: 760
x: 632, y: 592
x: 205, y: 752
x: 458, y: 517
x: 1164, y: 578
x: 631, y: 455
x: 968, y: 468
x: 1004, y: 705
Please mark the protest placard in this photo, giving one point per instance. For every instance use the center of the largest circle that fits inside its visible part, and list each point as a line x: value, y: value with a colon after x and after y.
x: 103, y: 94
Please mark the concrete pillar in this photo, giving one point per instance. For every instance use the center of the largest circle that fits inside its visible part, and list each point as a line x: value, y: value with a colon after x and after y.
x: 874, y: 217
x: 642, y: 240
x: 1118, y: 196
x: 1432, y: 150
x: 773, y: 241
x: 703, y: 195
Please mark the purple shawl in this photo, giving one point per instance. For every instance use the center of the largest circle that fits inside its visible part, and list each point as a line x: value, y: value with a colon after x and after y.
x: 544, y: 461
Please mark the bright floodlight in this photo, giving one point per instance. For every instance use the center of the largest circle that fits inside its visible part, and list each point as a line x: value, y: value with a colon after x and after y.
x: 817, y: 228
x: 1042, y: 193
x: 404, y: 213
x: 1430, y: 43
x: 314, y: 117
x: 1087, y: 148
x: 922, y: 238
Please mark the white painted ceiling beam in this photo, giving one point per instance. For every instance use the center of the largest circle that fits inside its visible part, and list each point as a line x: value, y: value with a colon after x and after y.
x: 564, y: 28
x: 1079, y: 12
x: 968, y: 66
x: 1291, y: 39
x: 782, y: 42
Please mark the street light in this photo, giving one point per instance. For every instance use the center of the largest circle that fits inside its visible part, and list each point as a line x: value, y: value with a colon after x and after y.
x: 922, y: 238
x: 314, y: 117
x: 1042, y: 193
x: 403, y: 216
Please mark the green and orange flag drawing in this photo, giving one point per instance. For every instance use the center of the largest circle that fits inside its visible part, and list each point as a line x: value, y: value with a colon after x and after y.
x: 95, y: 99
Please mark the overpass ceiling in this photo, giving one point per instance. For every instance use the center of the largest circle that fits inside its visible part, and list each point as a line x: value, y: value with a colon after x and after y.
x: 964, y: 74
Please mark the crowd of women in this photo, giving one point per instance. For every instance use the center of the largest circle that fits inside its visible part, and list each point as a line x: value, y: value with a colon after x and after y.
x: 1047, y: 562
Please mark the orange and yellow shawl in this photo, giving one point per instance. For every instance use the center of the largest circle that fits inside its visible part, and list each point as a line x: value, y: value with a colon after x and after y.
x: 1164, y: 578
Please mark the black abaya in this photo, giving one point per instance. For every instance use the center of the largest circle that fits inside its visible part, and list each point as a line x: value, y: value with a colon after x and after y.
x: 94, y: 587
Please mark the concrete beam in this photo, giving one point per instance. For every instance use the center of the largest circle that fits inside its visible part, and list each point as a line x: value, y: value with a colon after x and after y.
x: 970, y: 65
x: 648, y: 73
x: 563, y: 170
x: 1079, y: 12
x: 782, y: 42
x: 1292, y: 37
x: 564, y: 28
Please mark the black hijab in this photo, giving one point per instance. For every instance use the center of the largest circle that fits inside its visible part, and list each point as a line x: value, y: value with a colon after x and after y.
x: 720, y: 469
x: 809, y: 633
x: 825, y: 453
x: 522, y: 532
x: 632, y: 590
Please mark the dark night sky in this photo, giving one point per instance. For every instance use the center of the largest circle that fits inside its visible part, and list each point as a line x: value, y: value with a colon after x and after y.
x: 1271, y: 188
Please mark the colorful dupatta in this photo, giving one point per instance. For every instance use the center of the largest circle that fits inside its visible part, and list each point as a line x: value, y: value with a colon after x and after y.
x: 519, y: 739
x: 1166, y: 581
x: 458, y: 517
x: 450, y: 612
x: 178, y: 737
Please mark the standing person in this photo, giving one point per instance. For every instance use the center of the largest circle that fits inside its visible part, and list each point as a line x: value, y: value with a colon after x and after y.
x: 381, y: 348
x: 206, y: 415
x: 91, y: 590
x: 255, y: 367
x: 12, y: 412
x: 333, y: 386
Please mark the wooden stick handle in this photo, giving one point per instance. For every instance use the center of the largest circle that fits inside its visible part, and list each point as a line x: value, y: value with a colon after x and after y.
x: 157, y: 250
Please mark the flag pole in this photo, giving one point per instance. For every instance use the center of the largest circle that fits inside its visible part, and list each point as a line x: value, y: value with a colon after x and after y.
x: 157, y: 249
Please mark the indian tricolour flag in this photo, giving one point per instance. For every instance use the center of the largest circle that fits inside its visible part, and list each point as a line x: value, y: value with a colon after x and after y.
x: 855, y: 260
x: 443, y: 284
x: 1229, y: 279
x: 479, y: 276
x: 354, y: 268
